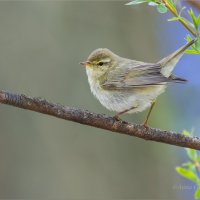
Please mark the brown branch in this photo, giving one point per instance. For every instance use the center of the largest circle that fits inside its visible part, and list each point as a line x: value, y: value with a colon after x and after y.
x: 98, y: 120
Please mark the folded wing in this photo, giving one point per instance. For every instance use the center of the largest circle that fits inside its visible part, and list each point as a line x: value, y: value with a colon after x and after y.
x: 136, y: 74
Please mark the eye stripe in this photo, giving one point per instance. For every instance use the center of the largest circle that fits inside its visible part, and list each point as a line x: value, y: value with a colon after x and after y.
x: 106, y: 60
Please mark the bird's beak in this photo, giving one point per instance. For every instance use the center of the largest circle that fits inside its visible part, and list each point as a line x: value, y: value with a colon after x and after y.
x: 85, y: 63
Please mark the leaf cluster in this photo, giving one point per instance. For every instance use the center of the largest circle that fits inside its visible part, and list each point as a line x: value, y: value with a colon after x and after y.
x: 158, y: 3
x: 191, y: 169
x: 191, y: 22
x: 195, y: 49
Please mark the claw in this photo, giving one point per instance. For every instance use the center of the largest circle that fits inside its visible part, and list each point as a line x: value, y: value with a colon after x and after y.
x: 145, y: 125
x: 116, y: 117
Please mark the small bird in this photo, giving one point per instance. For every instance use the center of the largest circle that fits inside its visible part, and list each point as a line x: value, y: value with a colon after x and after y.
x: 129, y: 86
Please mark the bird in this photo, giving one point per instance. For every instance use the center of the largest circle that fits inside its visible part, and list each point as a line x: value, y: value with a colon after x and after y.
x: 129, y: 86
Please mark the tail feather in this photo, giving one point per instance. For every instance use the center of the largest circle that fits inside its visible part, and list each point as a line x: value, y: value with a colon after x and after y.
x: 168, y: 63
x: 177, y: 79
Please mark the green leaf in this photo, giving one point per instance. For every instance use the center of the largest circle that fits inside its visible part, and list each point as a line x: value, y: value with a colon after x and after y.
x: 197, y: 45
x: 151, y: 3
x: 192, y: 51
x: 188, y: 22
x: 173, y: 19
x: 190, y: 165
x: 184, y: 131
x: 192, y: 154
x: 172, y: 5
x: 186, y: 173
x: 135, y: 2
x: 197, y: 193
x: 161, y: 8
x: 182, y: 9
x: 194, y: 19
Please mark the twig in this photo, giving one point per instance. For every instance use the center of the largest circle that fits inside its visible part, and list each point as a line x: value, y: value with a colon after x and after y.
x: 98, y: 120
x: 180, y: 20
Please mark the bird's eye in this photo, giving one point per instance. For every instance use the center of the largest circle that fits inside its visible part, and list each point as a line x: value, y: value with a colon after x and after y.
x: 100, y: 63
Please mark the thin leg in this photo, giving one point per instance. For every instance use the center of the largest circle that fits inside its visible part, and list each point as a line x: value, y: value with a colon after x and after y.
x: 120, y: 113
x: 149, y: 113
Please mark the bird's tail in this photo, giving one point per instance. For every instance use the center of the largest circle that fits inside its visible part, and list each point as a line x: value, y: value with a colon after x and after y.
x: 168, y: 63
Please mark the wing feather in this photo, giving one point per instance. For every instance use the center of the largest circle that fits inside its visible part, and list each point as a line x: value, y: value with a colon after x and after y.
x: 133, y: 74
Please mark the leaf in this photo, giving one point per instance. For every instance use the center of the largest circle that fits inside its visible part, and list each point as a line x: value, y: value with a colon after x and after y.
x: 188, y: 22
x: 192, y: 51
x: 182, y: 9
x: 190, y: 166
x: 186, y: 173
x: 194, y: 19
x: 172, y: 5
x: 173, y: 19
x: 152, y: 3
x: 192, y: 154
x: 197, y: 45
x: 197, y: 193
x: 184, y: 131
x: 161, y: 8
x: 135, y: 2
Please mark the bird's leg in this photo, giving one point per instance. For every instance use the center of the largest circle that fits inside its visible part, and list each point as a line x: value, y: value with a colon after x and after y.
x: 120, y: 113
x: 149, y: 113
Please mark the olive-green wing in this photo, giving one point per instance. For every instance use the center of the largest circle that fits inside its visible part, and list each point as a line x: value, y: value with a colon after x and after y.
x: 133, y: 74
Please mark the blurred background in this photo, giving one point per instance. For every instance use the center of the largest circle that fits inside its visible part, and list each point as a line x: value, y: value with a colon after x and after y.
x: 41, y: 44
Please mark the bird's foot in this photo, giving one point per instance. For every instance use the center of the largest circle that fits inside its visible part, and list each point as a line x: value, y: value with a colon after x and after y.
x: 117, y: 118
x: 145, y: 125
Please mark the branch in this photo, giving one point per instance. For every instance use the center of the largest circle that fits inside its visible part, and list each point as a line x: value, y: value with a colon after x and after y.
x: 98, y: 120
x: 174, y: 12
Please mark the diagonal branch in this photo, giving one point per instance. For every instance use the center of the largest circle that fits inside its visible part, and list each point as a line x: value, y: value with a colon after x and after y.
x: 174, y: 12
x: 98, y: 120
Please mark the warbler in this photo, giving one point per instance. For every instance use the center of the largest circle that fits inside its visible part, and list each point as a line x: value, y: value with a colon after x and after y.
x: 129, y: 86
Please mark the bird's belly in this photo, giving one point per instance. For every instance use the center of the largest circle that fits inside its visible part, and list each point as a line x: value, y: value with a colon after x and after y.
x: 116, y: 101
x: 139, y: 98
